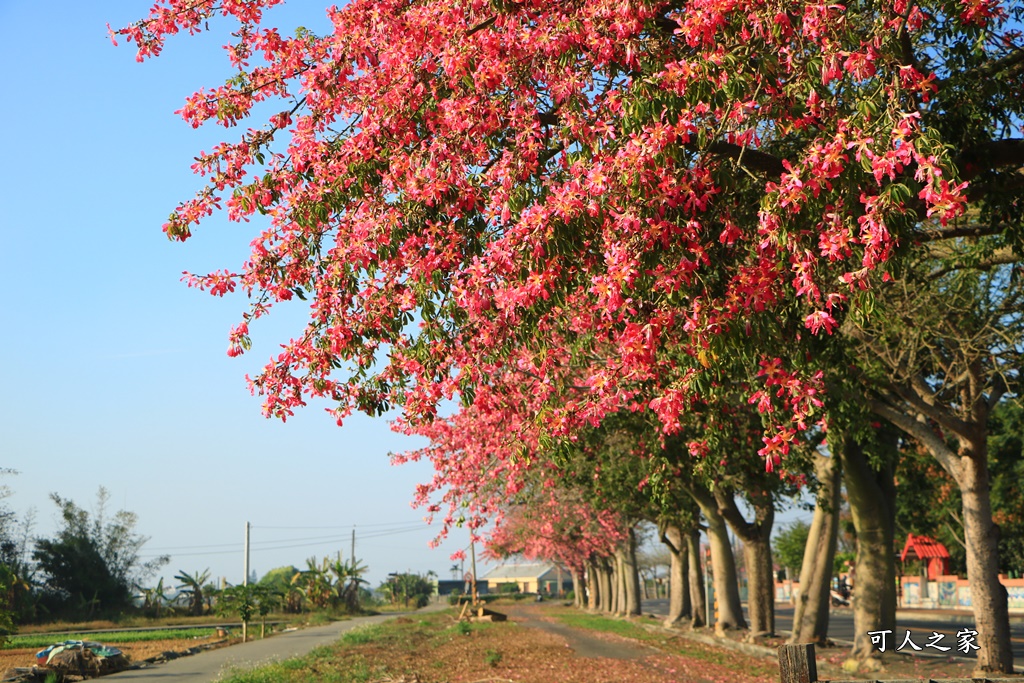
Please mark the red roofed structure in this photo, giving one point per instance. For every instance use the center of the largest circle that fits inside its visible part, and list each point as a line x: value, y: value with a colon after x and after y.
x: 930, y: 551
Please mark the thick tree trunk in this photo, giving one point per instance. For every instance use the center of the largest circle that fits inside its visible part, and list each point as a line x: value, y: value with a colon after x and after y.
x: 969, y: 468
x: 988, y: 596
x: 760, y: 587
x: 679, y: 605
x: 631, y: 577
x: 617, y: 578
x: 723, y: 565
x: 593, y: 583
x: 696, y: 579
x: 579, y: 588
x: 810, y: 620
x: 607, y: 587
x: 871, y: 494
x: 757, y: 555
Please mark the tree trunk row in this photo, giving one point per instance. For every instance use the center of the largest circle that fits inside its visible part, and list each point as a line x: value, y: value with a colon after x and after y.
x: 614, y: 584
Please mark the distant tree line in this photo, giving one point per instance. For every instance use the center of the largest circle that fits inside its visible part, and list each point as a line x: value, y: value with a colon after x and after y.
x: 90, y: 568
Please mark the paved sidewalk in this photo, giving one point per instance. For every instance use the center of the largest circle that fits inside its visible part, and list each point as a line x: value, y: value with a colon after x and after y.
x: 214, y: 665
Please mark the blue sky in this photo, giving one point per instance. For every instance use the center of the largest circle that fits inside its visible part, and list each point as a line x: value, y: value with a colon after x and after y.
x: 115, y: 372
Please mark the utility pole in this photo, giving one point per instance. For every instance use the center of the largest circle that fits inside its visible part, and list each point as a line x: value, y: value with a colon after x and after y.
x: 245, y: 578
x: 353, y: 555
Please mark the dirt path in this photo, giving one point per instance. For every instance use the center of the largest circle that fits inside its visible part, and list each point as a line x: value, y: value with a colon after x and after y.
x: 583, y: 643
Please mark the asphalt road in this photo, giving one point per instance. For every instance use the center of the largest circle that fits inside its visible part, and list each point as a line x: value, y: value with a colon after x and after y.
x: 920, y: 624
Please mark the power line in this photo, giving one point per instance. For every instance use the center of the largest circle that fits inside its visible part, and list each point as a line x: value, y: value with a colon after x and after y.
x: 191, y: 547
x: 290, y: 545
x: 326, y: 538
x: 342, y: 526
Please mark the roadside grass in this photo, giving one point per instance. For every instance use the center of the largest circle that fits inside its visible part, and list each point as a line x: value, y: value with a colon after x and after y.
x: 361, y: 655
x: 135, y: 621
x: 388, y: 608
x: 318, y: 618
x: 66, y: 630
x: 45, y: 639
x: 596, y: 622
x: 433, y: 647
x: 375, y: 652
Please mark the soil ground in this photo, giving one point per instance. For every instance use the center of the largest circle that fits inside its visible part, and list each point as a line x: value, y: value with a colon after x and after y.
x: 539, y: 643
x: 25, y: 657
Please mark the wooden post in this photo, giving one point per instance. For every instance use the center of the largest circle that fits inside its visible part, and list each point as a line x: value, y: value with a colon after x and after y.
x: 472, y: 555
x: 797, y: 665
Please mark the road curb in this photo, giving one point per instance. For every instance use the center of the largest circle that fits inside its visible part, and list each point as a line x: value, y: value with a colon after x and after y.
x: 728, y: 643
x: 955, y: 617
x: 763, y: 651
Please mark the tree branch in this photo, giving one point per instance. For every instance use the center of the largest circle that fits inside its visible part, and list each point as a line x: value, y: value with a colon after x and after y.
x: 665, y: 24
x: 482, y: 25
x: 921, y: 399
x: 989, y: 155
x: 746, y: 157
x: 923, y: 433
x: 999, y: 389
x: 1005, y: 258
x: 1009, y: 61
x: 964, y: 231
x: 730, y: 511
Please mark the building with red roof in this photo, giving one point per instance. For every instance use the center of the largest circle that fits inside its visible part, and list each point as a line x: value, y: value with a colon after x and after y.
x: 928, y: 550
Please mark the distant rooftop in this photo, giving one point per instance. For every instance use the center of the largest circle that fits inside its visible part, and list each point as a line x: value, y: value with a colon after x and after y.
x: 923, y: 547
x: 519, y: 570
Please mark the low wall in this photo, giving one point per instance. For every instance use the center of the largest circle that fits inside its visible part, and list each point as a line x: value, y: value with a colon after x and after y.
x: 947, y: 592
x: 952, y: 592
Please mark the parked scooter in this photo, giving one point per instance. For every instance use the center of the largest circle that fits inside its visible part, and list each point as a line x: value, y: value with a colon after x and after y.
x: 840, y: 599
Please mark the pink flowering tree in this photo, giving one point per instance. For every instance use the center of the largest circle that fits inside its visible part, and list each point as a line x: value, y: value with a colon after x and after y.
x: 558, y: 525
x: 599, y: 193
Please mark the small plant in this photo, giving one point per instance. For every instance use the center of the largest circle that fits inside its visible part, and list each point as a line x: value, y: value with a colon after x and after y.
x: 463, y: 628
x: 492, y: 658
x: 361, y: 636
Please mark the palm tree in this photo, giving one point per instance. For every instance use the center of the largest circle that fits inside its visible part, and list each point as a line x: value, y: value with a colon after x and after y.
x: 192, y: 589
x: 315, y: 583
x: 349, y: 576
x: 154, y: 598
x: 292, y: 597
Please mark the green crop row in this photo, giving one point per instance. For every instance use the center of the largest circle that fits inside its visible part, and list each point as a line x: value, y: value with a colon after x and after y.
x: 42, y: 640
